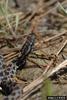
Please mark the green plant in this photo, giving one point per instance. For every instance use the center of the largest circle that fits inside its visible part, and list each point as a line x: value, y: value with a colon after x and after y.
x: 46, y: 89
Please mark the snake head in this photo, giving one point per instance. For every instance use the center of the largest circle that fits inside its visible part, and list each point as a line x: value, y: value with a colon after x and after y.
x: 25, y: 51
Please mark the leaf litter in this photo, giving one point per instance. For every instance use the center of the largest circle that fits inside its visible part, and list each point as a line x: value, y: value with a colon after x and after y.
x: 48, y: 59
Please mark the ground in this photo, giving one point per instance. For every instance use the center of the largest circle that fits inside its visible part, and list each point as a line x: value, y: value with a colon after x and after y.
x: 48, y: 21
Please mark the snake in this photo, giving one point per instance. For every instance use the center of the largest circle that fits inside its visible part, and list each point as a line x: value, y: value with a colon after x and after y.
x: 11, y: 90
x: 25, y: 51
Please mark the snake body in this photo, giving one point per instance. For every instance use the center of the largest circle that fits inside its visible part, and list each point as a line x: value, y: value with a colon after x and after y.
x: 10, y: 89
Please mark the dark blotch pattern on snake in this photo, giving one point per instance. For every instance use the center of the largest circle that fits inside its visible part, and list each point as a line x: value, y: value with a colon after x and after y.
x: 10, y: 88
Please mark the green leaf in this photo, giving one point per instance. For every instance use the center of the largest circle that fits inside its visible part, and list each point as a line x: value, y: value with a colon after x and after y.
x: 61, y: 9
x: 46, y: 89
x: 17, y: 22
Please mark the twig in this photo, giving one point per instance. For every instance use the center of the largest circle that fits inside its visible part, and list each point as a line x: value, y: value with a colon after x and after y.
x: 34, y: 63
x: 62, y: 48
x: 28, y: 89
x: 11, y: 57
x: 60, y: 66
x: 56, y: 36
x: 6, y: 56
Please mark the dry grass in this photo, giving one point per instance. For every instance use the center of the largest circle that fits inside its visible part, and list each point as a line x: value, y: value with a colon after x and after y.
x: 49, y: 24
